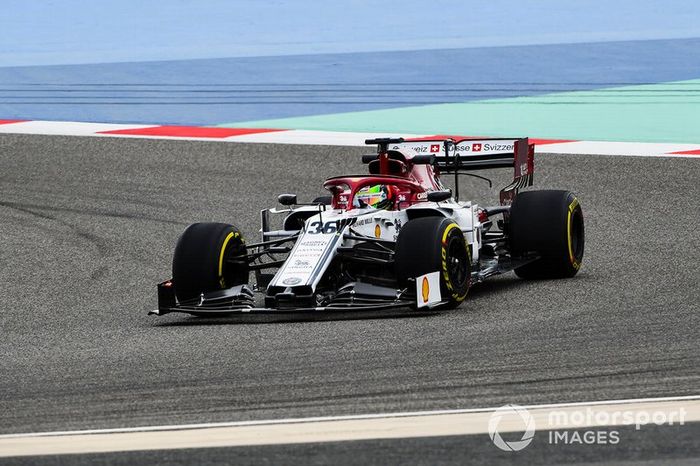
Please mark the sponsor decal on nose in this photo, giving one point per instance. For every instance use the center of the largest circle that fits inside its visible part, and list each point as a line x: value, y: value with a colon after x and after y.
x: 425, y: 289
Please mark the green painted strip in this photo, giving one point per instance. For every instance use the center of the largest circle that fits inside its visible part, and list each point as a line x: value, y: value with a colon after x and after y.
x: 668, y: 112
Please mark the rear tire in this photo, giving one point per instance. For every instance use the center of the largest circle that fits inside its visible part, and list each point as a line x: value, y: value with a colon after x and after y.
x: 201, y: 260
x: 432, y: 244
x: 548, y: 224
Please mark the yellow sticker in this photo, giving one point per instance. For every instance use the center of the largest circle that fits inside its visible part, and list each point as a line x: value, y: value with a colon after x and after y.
x: 425, y: 289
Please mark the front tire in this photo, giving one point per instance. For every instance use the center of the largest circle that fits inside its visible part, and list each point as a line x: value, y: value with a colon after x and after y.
x: 201, y: 262
x: 434, y: 244
x: 548, y: 224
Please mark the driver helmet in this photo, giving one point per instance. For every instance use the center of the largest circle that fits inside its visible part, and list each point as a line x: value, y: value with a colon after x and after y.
x: 377, y: 196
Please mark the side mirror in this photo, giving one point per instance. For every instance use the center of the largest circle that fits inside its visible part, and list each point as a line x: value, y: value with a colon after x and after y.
x: 437, y: 196
x: 287, y: 199
x: 423, y: 159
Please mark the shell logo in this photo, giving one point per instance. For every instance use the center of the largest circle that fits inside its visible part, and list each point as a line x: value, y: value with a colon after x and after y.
x: 377, y: 231
x: 425, y: 289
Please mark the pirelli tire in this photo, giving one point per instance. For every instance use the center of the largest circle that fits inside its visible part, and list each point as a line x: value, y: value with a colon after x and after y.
x: 203, y: 260
x: 431, y: 244
x: 548, y: 224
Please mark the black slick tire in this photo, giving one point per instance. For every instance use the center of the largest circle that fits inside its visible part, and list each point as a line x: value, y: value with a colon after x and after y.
x: 548, y: 224
x: 431, y: 244
x: 202, y: 260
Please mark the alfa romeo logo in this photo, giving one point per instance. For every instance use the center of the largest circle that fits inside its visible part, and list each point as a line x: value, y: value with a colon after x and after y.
x: 512, y: 412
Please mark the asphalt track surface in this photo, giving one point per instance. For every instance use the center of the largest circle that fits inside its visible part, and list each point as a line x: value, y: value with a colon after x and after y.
x: 88, y: 226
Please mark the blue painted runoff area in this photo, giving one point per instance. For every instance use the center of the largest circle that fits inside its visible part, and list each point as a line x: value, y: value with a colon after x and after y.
x: 213, y: 91
x: 223, y: 61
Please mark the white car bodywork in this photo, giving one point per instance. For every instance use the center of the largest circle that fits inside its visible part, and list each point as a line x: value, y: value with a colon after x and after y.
x: 326, y: 231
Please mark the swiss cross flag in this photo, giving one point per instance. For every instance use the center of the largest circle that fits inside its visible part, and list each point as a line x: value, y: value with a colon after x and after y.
x: 435, y: 148
x: 476, y: 147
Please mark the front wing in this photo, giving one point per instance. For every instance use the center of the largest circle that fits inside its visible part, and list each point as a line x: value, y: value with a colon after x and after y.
x: 241, y: 300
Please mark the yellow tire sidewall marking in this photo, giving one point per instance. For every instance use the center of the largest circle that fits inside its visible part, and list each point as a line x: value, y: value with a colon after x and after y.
x: 445, y: 275
x: 230, y: 236
x: 574, y: 263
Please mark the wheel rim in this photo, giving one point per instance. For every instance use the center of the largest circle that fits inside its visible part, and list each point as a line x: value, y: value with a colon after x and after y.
x: 457, y: 261
x: 577, y: 235
x: 233, y: 272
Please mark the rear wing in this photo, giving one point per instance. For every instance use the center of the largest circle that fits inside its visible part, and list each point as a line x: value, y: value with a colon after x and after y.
x: 455, y: 156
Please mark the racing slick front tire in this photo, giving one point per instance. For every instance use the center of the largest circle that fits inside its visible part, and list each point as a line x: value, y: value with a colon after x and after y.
x: 434, y: 244
x: 201, y: 262
x: 549, y: 224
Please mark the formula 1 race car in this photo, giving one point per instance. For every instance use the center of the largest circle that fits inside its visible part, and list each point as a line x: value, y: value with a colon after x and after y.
x: 393, y: 238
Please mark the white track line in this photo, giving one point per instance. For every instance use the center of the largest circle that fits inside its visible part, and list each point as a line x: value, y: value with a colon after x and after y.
x: 64, y: 128
x: 317, y: 138
x: 631, y: 149
x: 338, y: 138
x: 322, y: 429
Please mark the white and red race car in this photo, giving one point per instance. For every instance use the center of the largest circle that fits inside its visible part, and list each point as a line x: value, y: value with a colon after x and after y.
x: 393, y: 238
